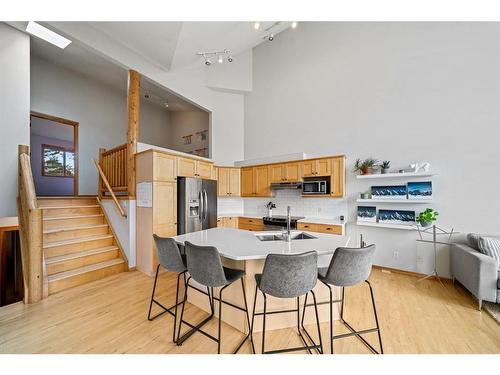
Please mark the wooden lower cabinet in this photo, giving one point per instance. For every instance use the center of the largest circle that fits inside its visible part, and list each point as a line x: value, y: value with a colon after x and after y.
x: 227, y: 222
x: 252, y: 224
x: 321, y: 228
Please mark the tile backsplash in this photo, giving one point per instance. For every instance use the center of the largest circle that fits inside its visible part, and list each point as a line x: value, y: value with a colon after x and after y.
x: 300, y: 206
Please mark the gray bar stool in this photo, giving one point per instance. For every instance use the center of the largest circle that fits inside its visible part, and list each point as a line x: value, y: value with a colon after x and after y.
x: 205, y: 267
x: 170, y: 258
x: 348, y: 267
x: 288, y: 276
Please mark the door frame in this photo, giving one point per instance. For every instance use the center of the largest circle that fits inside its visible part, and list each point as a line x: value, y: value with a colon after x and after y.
x: 75, y: 126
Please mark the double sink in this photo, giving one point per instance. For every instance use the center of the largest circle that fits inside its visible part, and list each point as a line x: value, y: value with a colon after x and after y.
x: 283, y: 237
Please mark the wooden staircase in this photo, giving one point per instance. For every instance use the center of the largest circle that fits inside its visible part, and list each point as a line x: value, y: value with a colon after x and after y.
x: 78, y: 244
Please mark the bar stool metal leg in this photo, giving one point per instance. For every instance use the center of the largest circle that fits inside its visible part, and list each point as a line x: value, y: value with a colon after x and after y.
x: 319, y: 348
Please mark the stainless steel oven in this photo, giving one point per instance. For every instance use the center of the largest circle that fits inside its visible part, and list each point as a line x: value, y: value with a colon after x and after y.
x: 315, y: 187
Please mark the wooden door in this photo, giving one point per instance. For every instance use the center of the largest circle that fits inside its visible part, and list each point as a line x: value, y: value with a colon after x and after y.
x: 223, y: 182
x: 247, y: 185
x: 308, y: 168
x: 261, y: 177
x: 204, y: 170
x: 164, y: 167
x: 186, y: 167
x: 337, y: 181
x: 292, y: 172
x: 276, y: 173
x: 323, y: 167
x: 234, y: 182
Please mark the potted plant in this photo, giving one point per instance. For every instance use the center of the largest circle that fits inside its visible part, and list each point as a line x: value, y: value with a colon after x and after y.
x: 384, y: 167
x: 426, y: 217
x: 365, y: 166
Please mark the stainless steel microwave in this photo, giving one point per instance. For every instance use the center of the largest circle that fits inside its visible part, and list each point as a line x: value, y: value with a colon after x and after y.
x: 315, y: 187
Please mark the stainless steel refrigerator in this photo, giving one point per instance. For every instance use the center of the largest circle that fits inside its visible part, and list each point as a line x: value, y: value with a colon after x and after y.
x: 196, y: 204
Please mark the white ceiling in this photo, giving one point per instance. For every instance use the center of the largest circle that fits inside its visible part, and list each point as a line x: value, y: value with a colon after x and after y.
x: 81, y: 60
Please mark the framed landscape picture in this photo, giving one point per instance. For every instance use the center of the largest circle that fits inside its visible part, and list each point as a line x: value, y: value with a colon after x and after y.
x: 389, y: 192
x: 420, y: 190
x: 400, y: 217
x: 367, y: 214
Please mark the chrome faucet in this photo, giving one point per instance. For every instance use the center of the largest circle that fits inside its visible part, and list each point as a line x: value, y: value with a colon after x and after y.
x: 288, y: 224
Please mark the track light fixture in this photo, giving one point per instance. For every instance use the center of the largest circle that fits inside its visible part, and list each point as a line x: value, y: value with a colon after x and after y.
x: 218, y: 55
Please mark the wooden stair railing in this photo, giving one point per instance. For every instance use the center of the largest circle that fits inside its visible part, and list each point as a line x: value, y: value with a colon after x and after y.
x: 109, y: 188
x: 113, y: 163
x: 30, y: 232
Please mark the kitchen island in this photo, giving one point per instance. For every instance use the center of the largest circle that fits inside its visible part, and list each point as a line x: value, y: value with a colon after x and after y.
x: 245, y: 250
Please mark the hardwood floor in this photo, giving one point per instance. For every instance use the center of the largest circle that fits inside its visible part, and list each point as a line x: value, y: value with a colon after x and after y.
x: 109, y: 316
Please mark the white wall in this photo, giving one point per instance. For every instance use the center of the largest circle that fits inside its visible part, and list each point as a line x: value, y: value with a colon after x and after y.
x: 397, y: 91
x: 101, y: 111
x: 14, y: 110
x: 183, y: 123
x: 191, y: 82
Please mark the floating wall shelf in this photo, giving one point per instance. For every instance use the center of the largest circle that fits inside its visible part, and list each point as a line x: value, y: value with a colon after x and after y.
x: 394, y: 175
x: 397, y: 201
x: 388, y: 226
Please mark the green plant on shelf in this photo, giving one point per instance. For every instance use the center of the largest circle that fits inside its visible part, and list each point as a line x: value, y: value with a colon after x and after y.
x: 426, y: 217
x: 365, y: 166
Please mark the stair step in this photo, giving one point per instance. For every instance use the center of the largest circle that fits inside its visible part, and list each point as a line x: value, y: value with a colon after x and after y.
x: 74, y: 245
x: 83, y: 275
x: 62, y: 211
x: 67, y: 262
x: 72, y: 220
x: 69, y: 232
x: 62, y: 201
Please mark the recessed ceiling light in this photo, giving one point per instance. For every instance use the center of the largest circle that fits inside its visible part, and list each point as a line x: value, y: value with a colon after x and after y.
x: 220, y: 60
x: 256, y: 25
x: 48, y: 35
x: 294, y: 24
x: 166, y: 105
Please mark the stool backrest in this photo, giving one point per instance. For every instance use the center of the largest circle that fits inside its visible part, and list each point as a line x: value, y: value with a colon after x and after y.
x: 204, y: 265
x: 289, y: 276
x: 350, y: 266
x: 169, y: 255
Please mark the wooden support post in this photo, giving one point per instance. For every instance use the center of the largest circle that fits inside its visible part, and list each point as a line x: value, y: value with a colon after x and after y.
x: 134, y: 83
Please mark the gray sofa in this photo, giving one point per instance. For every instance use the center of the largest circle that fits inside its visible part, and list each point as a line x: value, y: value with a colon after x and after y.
x: 475, y: 271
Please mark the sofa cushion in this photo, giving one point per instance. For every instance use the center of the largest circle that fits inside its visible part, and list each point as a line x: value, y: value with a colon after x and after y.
x: 473, y: 239
x: 490, y: 246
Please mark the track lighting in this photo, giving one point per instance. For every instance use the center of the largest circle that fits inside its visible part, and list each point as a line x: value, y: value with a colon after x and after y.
x: 218, y: 56
x: 294, y: 24
x: 256, y: 25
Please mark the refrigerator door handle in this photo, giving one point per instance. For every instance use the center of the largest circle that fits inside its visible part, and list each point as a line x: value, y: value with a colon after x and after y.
x: 205, y: 205
x: 201, y: 206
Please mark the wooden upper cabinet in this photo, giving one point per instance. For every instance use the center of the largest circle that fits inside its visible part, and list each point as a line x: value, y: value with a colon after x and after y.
x: 316, y: 167
x: 292, y: 172
x: 234, y: 182
x: 308, y: 168
x: 261, y: 181
x: 203, y: 169
x: 186, y: 167
x: 228, y: 182
x: 247, y: 185
x: 276, y: 173
x: 337, y: 182
x: 164, y: 167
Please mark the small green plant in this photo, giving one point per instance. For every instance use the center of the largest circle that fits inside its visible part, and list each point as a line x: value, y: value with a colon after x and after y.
x: 426, y: 217
x: 365, y: 166
x: 386, y: 164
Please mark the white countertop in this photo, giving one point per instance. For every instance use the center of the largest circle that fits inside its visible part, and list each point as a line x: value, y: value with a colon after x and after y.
x: 239, y: 244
